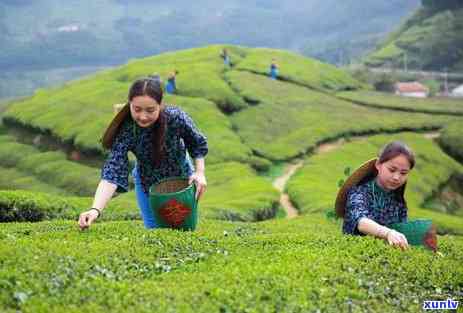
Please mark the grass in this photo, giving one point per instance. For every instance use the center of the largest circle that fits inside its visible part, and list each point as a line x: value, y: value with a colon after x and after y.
x: 314, y: 187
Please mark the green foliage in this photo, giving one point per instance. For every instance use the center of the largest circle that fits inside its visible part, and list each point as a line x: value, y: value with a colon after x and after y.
x: 447, y: 106
x: 237, y: 193
x: 433, y: 86
x: 299, y: 265
x: 13, y: 179
x: 225, y: 144
x: 258, y: 199
x: 420, y: 40
x: 51, y: 168
x: 117, y: 31
x: 26, y: 206
x: 298, y: 69
x: 302, y: 265
x: 200, y: 73
x: 452, y: 140
x: 442, y: 4
x: 385, y: 83
x: 314, y: 187
x: 78, y: 111
x: 288, y: 120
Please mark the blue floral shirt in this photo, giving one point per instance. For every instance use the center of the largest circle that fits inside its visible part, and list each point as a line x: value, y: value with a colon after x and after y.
x: 181, y: 136
x: 371, y: 201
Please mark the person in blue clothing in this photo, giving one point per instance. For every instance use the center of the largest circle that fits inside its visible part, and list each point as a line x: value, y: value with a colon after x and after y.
x: 226, y: 57
x: 171, y: 85
x: 160, y: 136
x: 274, y: 69
x: 372, y: 198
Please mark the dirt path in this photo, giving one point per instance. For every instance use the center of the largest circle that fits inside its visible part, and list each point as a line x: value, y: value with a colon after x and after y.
x: 280, y: 182
x: 432, y: 135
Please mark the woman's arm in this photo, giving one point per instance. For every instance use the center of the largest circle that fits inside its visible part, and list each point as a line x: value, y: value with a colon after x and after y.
x: 114, y: 175
x: 199, y: 177
x: 370, y: 227
x: 103, y: 194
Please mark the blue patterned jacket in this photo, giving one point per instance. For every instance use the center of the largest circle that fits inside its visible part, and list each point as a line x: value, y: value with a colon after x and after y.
x: 181, y: 136
x: 362, y: 201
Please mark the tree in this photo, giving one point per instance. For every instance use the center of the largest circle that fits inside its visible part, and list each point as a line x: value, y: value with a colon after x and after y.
x: 442, y: 4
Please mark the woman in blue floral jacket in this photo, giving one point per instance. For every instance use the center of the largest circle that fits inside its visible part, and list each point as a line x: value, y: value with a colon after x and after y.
x: 372, y: 198
x: 160, y: 137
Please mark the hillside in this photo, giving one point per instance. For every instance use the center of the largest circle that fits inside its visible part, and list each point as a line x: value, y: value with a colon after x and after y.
x: 77, y: 33
x: 48, y: 42
x: 246, y: 255
x: 420, y: 41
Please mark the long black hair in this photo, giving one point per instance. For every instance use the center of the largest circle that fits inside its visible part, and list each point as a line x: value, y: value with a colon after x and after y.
x: 150, y: 86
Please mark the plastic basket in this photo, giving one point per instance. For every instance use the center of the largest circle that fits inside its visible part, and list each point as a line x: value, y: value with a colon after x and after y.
x: 418, y: 233
x: 174, y: 204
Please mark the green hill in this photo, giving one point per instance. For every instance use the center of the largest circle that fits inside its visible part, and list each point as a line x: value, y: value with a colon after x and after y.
x: 255, y: 127
x: 81, y: 109
x: 252, y: 123
x: 421, y: 42
x: 52, y: 33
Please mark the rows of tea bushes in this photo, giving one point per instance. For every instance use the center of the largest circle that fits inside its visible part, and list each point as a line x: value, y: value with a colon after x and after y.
x: 200, y: 72
x: 299, y: 69
x: 13, y: 179
x: 451, y: 140
x: 28, y: 206
x: 235, y: 192
x: 85, y: 133
x: 225, y: 145
x: 387, y: 101
x: 77, y: 112
x: 288, y: 120
x: 314, y: 187
x: 299, y: 265
x: 51, y: 168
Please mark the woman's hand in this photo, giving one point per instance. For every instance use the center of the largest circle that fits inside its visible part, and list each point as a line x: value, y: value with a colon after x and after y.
x: 397, y: 239
x: 199, y: 180
x: 87, y: 218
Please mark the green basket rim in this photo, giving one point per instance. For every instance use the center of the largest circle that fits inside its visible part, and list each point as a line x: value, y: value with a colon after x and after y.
x: 412, y: 222
x: 152, y: 192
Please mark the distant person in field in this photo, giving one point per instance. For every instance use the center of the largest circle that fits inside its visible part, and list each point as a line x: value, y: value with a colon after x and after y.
x: 273, y: 69
x: 171, y: 85
x: 226, y: 57
x: 159, y: 136
x: 372, y: 198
